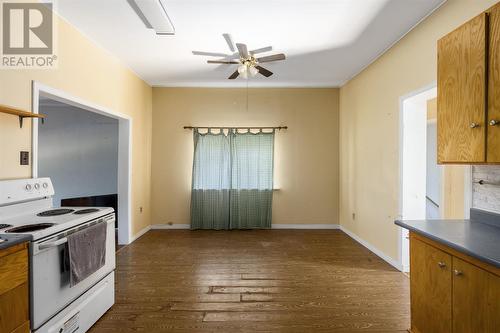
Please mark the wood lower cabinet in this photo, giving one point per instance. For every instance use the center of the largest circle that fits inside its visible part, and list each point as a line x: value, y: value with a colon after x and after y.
x: 476, y: 299
x: 14, y: 290
x: 430, y: 281
x: 450, y: 291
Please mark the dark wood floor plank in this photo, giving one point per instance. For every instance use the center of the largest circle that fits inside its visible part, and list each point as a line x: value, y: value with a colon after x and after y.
x: 254, y: 281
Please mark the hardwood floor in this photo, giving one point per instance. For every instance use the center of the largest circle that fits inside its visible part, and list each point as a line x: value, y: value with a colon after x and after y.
x: 254, y: 281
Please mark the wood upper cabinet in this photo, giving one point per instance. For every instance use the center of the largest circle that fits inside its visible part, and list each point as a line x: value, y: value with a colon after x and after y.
x: 430, y: 288
x: 476, y: 299
x: 462, y: 93
x: 469, y: 92
x: 493, y: 142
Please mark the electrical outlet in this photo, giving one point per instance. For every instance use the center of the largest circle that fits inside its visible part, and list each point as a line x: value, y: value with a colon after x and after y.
x: 24, y: 158
x: 140, y: 209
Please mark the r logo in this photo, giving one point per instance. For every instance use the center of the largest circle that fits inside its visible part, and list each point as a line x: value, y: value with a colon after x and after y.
x: 27, y: 28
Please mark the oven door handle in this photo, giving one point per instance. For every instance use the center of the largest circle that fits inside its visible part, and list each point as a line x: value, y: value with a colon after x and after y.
x: 53, y: 244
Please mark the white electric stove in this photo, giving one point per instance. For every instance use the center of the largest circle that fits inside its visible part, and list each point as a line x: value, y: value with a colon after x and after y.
x: 26, y: 209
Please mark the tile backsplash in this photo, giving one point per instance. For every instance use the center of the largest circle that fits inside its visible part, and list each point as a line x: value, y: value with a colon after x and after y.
x: 486, y: 197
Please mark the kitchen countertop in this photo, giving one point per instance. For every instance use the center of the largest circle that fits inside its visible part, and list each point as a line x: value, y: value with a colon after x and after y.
x: 478, y: 237
x: 12, y: 240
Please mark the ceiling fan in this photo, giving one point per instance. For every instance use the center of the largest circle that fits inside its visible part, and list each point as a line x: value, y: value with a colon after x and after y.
x: 249, y: 64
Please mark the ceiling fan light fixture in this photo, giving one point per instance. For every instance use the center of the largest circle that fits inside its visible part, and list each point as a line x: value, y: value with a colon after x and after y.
x: 253, y: 71
x: 248, y: 64
x: 242, y: 68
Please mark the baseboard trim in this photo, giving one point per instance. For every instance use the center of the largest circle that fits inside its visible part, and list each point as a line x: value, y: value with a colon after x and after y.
x: 139, y: 234
x: 373, y: 249
x: 170, y: 226
x: 274, y: 226
x: 305, y: 226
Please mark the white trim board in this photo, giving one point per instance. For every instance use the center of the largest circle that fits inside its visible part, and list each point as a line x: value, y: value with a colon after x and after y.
x: 402, y: 242
x: 139, y: 234
x: 305, y: 226
x: 382, y: 255
x: 177, y: 226
x: 274, y: 226
x: 124, y: 149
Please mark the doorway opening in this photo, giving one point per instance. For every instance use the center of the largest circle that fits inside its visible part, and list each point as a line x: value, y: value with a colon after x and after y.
x: 427, y: 190
x: 93, y: 166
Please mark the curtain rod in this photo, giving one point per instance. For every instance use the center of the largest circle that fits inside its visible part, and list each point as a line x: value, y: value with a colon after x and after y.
x: 236, y: 127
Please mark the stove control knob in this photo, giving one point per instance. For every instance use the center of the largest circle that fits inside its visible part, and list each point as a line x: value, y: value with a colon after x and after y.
x: 28, y: 187
x: 37, y: 186
x: 45, y: 185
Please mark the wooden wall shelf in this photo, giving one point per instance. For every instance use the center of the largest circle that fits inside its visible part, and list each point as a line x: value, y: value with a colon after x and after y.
x: 20, y: 113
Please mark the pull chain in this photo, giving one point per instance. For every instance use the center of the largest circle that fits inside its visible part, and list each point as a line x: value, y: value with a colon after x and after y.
x: 247, y: 95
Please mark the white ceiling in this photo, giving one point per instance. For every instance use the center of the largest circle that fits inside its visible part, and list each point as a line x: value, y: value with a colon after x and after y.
x: 326, y: 42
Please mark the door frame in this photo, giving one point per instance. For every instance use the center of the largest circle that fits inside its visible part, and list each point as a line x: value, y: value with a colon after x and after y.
x: 403, y: 244
x: 124, y: 149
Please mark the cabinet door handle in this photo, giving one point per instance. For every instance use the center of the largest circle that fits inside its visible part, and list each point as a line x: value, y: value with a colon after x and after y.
x: 457, y: 272
x: 473, y: 125
x: 441, y: 264
x: 494, y: 122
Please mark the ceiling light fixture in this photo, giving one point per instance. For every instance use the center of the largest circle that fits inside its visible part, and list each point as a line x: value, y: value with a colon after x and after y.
x: 253, y: 71
x: 242, y: 68
x: 248, y: 67
x: 248, y: 63
x: 154, y: 15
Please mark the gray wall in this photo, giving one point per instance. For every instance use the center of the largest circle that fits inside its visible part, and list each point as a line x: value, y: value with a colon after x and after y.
x: 78, y: 149
x: 486, y: 197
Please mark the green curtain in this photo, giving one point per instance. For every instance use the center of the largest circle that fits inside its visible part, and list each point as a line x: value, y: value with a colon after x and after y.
x: 232, y: 185
x: 251, y: 192
x: 211, y: 181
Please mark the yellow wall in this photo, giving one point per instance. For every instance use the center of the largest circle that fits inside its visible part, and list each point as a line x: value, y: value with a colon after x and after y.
x: 369, y: 125
x: 89, y: 72
x: 306, y: 166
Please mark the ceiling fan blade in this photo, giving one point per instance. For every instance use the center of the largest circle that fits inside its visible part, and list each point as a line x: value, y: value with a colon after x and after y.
x: 263, y: 71
x: 242, y: 49
x: 222, y: 62
x: 229, y: 41
x: 231, y: 57
x: 210, y: 54
x: 234, y: 75
x: 221, y: 68
x: 274, y: 57
x: 262, y: 49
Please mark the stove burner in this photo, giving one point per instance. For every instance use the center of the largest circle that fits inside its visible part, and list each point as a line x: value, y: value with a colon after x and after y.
x: 30, y: 227
x: 55, y: 212
x: 86, y: 211
x: 3, y: 226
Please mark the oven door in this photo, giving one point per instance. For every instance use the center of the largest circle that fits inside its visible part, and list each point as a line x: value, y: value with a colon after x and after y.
x: 49, y: 277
